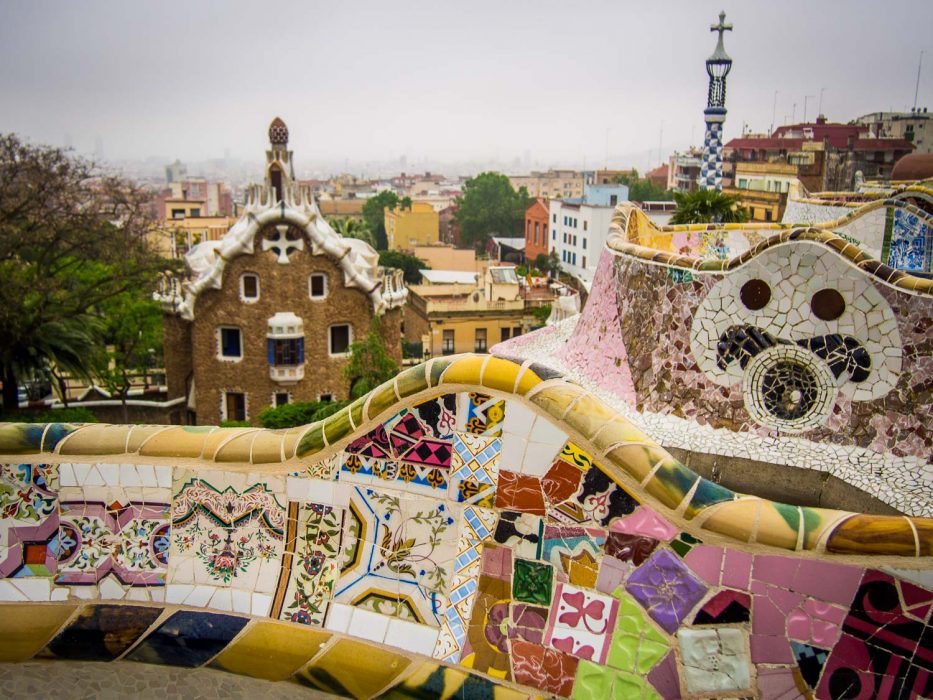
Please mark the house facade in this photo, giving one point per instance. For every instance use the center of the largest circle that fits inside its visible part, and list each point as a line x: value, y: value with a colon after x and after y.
x: 269, y: 311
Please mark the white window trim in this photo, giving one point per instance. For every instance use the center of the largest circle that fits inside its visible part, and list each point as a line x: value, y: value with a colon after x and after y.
x: 223, y: 404
x: 245, y: 299
x: 220, y: 344
x: 272, y: 399
x: 349, y: 340
x: 326, y: 286
x: 320, y: 397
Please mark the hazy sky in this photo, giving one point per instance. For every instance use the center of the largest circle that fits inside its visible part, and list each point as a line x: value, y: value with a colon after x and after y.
x: 448, y: 80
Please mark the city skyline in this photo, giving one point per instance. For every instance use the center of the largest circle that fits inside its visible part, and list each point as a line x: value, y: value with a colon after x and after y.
x: 370, y: 85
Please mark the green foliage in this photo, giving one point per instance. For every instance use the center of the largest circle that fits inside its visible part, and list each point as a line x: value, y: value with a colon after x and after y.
x: 707, y: 206
x: 230, y: 423
x: 374, y: 216
x: 78, y: 414
x: 369, y: 364
x: 412, y: 348
x: 292, y: 415
x: 62, y: 258
x: 353, y: 228
x: 642, y: 189
x: 410, y: 265
x: 541, y: 314
x: 489, y: 205
x: 131, y: 325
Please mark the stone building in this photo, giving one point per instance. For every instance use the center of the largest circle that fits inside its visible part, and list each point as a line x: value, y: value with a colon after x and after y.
x: 268, y: 312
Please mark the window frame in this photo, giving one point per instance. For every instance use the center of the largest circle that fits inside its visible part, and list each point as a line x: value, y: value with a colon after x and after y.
x: 246, y: 299
x: 323, y: 276
x: 480, y: 344
x: 225, y: 413
x: 220, y: 344
x: 330, y: 339
x: 452, y: 347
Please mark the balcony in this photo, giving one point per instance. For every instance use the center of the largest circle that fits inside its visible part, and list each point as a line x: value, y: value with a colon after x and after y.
x: 286, y: 374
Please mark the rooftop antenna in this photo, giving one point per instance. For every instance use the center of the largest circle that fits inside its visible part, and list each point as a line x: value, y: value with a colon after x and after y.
x: 606, y: 166
x: 917, y: 89
x: 819, y: 111
x: 805, y: 98
x: 660, y: 141
x: 773, y: 111
x: 793, y: 113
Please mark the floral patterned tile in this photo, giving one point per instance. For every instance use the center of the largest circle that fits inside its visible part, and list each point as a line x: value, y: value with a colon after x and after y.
x: 120, y: 530
x: 29, y: 528
x: 397, y: 555
x: 228, y: 531
x: 581, y: 622
x: 309, y: 563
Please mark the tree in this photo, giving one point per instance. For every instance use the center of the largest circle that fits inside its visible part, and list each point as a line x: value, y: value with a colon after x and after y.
x: 70, y: 239
x: 489, y: 205
x: 370, y: 364
x: 132, y: 336
x: 292, y: 415
x: 409, y: 265
x: 374, y: 216
x: 553, y: 264
x: 642, y: 189
x: 707, y: 206
x: 353, y: 228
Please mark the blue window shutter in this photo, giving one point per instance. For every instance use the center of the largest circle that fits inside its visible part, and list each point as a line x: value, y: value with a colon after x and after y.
x: 270, y: 350
x: 301, y: 351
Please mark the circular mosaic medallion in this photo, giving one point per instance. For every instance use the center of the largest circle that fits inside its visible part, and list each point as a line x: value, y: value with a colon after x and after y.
x: 788, y: 388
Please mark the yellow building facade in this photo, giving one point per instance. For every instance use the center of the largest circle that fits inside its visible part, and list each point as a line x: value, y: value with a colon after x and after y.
x: 407, y: 228
x: 173, y: 238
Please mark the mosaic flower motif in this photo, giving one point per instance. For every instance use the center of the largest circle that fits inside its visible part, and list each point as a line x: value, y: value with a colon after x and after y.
x: 27, y: 491
x: 666, y: 589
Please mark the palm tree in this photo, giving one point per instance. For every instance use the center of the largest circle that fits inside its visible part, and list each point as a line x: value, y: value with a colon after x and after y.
x: 353, y: 228
x: 707, y: 206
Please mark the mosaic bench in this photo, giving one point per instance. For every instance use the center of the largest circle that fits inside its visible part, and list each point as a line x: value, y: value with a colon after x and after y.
x: 477, y: 527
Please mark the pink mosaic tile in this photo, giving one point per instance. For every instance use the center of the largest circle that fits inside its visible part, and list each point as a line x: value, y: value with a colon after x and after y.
x: 706, y: 562
x: 645, y: 521
x: 737, y: 569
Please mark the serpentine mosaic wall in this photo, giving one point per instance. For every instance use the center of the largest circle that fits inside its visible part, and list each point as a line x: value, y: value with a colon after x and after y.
x: 719, y: 342
x: 465, y: 545
x: 897, y: 230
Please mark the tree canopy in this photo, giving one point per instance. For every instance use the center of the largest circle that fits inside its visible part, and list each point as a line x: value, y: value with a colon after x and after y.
x: 370, y: 364
x: 353, y: 228
x: 707, y: 206
x: 71, y: 240
x: 488, y: 206
x: 642, y: 189
x: 410, y: 265
x: 374, y: 215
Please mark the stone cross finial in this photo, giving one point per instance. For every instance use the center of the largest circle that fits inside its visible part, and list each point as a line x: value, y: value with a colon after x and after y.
x: 280, y: 243
x: 722, y: 26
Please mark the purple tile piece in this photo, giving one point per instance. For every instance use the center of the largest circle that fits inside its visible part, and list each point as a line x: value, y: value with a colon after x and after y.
x: 766, y: 618
x: 736, y: 569
x: 779, y: 571
x: 612, y: 573
x: 664, y: 678
x: 771, y: 649
x: 835, y: 583
x: 666, y: 589
x: 775, y: 683
x: 706, y: 562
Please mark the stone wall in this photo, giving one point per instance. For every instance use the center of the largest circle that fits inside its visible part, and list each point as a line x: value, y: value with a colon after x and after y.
x: 283, y: 288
